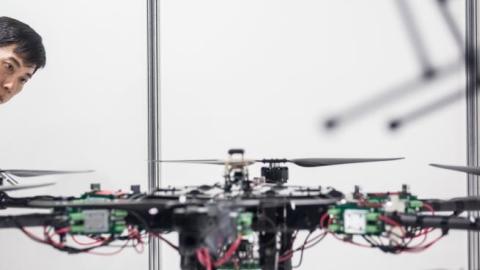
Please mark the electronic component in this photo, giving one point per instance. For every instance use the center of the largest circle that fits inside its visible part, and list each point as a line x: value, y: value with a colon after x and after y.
x: 355, y: 221
x: 97, y: 221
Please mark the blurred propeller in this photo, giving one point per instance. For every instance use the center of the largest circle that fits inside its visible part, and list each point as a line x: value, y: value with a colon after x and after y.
x: 466, y: 169
x: 32, y: 173
x: 317, y: 162
x: 234, y: 162
x: 18, y: 187
x: 302, y: 162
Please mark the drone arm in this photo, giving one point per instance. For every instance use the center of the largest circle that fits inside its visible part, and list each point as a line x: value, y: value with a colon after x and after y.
x: 456, y: 204
x: 442, y: 222
x: 28, y: 220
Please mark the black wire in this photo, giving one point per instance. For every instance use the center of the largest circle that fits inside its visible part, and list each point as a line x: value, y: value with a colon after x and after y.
x: 302, y: 249
x: 140, y: 218
x: 264, y: 217
x: 300, y: 260
x: 138, y: 196
x: 307, y: 247
x: 316, y: 241
x: 370, y: 241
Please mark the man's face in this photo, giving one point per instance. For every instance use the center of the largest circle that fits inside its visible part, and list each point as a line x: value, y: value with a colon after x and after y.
x: 14, y: 73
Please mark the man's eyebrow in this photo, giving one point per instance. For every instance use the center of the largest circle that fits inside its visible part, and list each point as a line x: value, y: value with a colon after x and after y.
x: 17, y: 63
x: 14, y: 60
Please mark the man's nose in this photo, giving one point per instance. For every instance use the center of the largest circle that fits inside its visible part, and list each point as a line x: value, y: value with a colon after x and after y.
x: 9, y: 86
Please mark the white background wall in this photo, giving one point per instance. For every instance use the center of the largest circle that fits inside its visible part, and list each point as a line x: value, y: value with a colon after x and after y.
x: 263, y: 74
x: 254, y: 74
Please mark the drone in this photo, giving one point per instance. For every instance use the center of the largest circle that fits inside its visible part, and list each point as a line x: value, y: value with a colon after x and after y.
x: 241, y: 223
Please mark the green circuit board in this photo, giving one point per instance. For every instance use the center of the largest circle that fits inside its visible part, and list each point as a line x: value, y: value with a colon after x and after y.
x: 363, y: 215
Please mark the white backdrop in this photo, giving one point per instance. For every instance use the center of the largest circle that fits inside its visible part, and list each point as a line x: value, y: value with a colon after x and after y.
x: 261, y: 75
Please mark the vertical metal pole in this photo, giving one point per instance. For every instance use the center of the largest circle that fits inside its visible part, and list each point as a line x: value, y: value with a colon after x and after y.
x: 472, y: 123
x: 153, y: 118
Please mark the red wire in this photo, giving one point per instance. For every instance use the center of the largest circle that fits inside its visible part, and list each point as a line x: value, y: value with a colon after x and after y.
x: 110, y: 192
x: 203, y: 257
x: 289, y: 253
x: 200, y: 256
x: 50, y: 240
x: 424, y: 232
x: 228, y: 254
x: 141, y: 249
x: 134, y: 234
x: 425, y: 236
x: 422, y: 248
x: 392, y: 222
x: 32, y: 236
x: 351, y: 242
x: 322, y: 219
x: 111, y: 253
x: 429, y: 208
x: 85, y: 244
x: 286, y: 257
x: 365, y: 203
x: 63, y: 230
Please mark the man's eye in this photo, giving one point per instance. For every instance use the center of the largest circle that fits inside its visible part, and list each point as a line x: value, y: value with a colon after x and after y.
x: 23, y: 80
x: 8, y: 66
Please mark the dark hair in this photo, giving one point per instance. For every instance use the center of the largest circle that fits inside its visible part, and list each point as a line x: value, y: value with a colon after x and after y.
x: 29, y: 43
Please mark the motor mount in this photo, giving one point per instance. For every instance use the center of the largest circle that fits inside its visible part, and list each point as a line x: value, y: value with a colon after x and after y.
x: 275, y: 174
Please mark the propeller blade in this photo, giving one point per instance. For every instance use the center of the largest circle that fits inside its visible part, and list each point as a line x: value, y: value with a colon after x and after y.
x: 195, y: 161
x: 211, y: 161
x: 316, y: 162
x: 32, y: 173
x: 18, y: 187
x: 466, y: 169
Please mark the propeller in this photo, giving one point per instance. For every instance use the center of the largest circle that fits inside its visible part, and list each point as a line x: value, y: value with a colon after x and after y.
x: 243, y: 162
x: 466, y: 169
x: 318, y: 162
x: 302, y: 162
x: 18, y: 187
x: 33, y: 173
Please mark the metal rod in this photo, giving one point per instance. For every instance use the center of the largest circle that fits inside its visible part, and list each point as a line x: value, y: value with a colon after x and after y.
x: 153, y: 118
x: 472, y: 123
